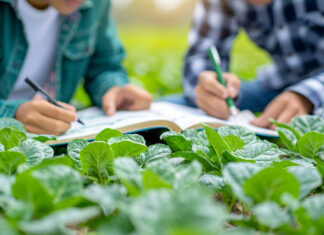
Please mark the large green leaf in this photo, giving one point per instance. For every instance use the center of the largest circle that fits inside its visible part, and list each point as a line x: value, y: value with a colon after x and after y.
x: 288, y: 138
x: 129, y: 173
x: 152, y: 180
x: 270, y: 184
x: 191, y: 156
x: 187, y: 176
x: 314, y: 206
x: 242, y: 132
x: 213, y: 182
x: 31, y: 191
x: 107, y: 134
x: 177, y: 142
x: 106, y: 197
x: 153, y: 153
x: 11, y: 122
x: 6, y: 228
x: 35, y: 151
x: 96, y: 159
x: 74, y: 148
x: 57, y: 222
x: 235, y: 174
x: 61, y: 182
x: 261, y: 151
x: 216, y: 141
x: 163, y: 212
x: 271, y: 214
x: 310, y: 143
x: 127, y: 145
x: 309, y: 179
x: 308, y: 123
x: 9, y: 161
x: 11, y: 137
x: 164, y: 169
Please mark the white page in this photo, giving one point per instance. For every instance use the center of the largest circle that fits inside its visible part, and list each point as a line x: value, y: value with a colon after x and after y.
x: 96, y: 120
x: 186, y: 116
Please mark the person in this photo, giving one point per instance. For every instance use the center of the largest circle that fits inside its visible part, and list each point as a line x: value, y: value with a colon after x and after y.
x: 56, y: 43
x: 293, y: 34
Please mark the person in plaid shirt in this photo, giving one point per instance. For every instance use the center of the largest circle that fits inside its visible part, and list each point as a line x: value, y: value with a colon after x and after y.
x: 292, y: 31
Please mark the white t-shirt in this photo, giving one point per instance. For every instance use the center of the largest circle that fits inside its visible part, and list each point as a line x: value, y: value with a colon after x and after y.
x: 41, y: 30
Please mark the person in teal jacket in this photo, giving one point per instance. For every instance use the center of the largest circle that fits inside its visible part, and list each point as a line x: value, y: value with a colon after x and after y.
x: 57, y: 43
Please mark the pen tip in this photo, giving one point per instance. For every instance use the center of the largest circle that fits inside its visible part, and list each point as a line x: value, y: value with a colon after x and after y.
x: 81, y: 122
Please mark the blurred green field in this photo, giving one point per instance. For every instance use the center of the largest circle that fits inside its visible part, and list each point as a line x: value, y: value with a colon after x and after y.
x: 155, y: 59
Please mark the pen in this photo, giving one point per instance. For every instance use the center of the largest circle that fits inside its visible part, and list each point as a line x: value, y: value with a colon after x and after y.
x: 214, y: 56
x: 37, y: 88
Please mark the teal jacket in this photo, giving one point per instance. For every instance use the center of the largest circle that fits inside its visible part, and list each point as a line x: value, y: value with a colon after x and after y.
x: 88, y: 47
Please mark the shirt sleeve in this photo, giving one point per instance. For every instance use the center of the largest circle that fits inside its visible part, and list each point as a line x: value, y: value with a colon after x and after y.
x: 213, y: 24
x: 313, y: 89
x: 9, y: 108
x: 105, y: 69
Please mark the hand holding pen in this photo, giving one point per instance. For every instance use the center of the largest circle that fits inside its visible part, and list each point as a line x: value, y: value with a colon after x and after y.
x: 43, y: 117
x: 216, y: 91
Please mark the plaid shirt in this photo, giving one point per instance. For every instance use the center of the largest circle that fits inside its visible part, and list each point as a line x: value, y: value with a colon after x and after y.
x: 292, y: 31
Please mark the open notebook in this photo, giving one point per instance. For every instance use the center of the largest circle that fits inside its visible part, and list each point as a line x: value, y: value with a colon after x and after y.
x: 161, y: 115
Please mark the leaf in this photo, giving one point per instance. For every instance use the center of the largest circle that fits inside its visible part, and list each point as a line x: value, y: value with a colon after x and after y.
x: 191, y: 156
x: 11, y: 137
x: 309, y: 179
x: 235, y: 174
x: 106, y: 197
x: 167, y: 212
x: 270, y: 184
x: 2, y: 148
x: 271, y: 214
x: 153, y: 181
x: 11, y: 122
x: 187, y: 176
x: 308, y: 123
x: 9, y: 161
x: 5, y: 182
x: 95, y: 160
x: 234, y: 142
x: 177, y: 142
x: 230, y: 157
x: 213, y: 182
x: 129, y: 173
x: 314, y: 206
x: 127, y: 145
x: 288, y: 138
x: 57, y: 222
x: 153, y: 153
x: 164, y: 169
x: 242, y: 132
x: 107, y: 134
x: 41, y: 138
x: 35, y: 151
x: 261, y: 151
x: 74, y: 148
x: 198, y: 137
x: 6, y: 228
x: 31, y: 191
x: 310, y: 143
x: 61, y: 182
x: 216, y: 141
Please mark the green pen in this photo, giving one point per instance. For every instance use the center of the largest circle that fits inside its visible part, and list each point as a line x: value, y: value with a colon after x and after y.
x: 214, y: 56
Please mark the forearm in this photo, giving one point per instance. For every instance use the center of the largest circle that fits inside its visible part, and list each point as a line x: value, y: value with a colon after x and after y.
x: 313, y: 90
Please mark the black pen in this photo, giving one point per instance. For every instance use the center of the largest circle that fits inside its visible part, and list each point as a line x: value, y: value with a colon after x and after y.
x: 37, y: 88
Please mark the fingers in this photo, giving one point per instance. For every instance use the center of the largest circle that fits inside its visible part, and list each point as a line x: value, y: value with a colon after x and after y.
x: 211, y: 104
x: 68, y: 106
x: 49, y: 124
x: 54, y: 112
x: 233, y: 84
x: 141, y: 98
x: 208, y: 81
x: 109, y: 101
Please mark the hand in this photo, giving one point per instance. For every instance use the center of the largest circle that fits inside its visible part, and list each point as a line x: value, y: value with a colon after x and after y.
x: 42, y: 117
x: 283, y: 109
x: 129, y: 97
x: 211, y: 95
